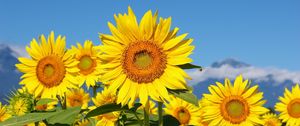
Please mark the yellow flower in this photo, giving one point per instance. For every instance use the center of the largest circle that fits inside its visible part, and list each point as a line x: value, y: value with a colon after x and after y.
x: 20, y: 102
x: 236, y: 105
x: 89, y: 63
x: 186, y: 113
x: 50, y: 70
x: 77, y: 97
x: 105, y: 97
x: 152, y: 108
x: 201, y: 111
x: 271, y: 119
x: 20, y: 107
x: 141, y: 60
x: 4, y: 114
x: 289, y: 107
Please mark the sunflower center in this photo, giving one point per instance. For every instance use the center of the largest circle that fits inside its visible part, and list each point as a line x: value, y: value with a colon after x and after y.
x: 86, y: 65
x: 270, y: 123
x: 234, y: 109
x: 182, y: 115
x: 50, y: 71
x: 294, y: 108
x: 76, y: 101
x: 41, y: 107
x: 144, y: 61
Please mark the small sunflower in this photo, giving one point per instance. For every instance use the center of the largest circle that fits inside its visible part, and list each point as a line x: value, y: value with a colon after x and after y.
x: 271, y: 119
x: 50, y: 70
x: 141, y: 60
x: 106, y: 97
x: 77, y: 97
x: 186, y: 113
x: 289, y: 106
x: 89, y: 63
x: 20, y: 103
x: 4, y: 114
x: 236, y: 105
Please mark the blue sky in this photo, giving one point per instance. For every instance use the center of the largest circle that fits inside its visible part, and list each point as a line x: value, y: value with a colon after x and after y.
x: 262, y: 33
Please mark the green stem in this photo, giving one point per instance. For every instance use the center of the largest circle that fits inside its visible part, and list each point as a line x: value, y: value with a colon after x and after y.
x: 65, y: 101
x: 95, y: 91
x: 146, y: 118
x: 160, y: 115
x: 138, y: 118
x: 146, y: 114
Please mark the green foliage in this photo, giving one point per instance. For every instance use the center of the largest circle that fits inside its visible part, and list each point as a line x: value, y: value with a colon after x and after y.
x: 59, y: 117
x: 107, y: 108
x: 190, y: 66
x: 44, y: 101
x: 185, y: 95
x: 64, y: 116
x: 26, y: 119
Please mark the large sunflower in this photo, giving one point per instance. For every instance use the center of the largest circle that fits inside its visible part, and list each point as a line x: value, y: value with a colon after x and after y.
x: 271, y: 119
x: 50, y: 70
x: 236, y: 105
x: 89, y: 63
x: 289, y: 106
x: 186, y: 113
x: 4, y: 115
x: 141, y: 59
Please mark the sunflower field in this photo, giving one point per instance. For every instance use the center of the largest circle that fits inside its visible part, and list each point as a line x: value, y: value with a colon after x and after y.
x: 136, y: 76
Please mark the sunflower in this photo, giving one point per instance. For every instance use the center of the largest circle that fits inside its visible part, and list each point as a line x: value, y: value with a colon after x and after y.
x: 141, y: 60
x: 105, y: 97
x: 201, y: 112
x: 89, y: 63
x: 20, y: 102
x: 50, y: 70
x: 77, y: 97
x: 289, y: 106
x: 186, y: 113
x: 236, y: 105
x: 271, y: 119
x: 4, y: 114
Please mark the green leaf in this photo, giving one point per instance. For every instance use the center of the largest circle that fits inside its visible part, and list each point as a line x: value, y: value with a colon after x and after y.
x: 190, y: 66
x: 105, y: 109
x: 170, y: 121
x: 44, y: 101
x: 66, y: 116
x: 26, y: 119
x: 185, y: 95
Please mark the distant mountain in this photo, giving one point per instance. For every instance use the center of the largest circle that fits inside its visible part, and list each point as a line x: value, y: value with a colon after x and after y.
x: 231, y: 62
x: 9, y: 76
x: 271, y: 81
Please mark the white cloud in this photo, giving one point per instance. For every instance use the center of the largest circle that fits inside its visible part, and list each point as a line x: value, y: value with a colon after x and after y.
x: 19, y: 51
x: 253, y: 73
